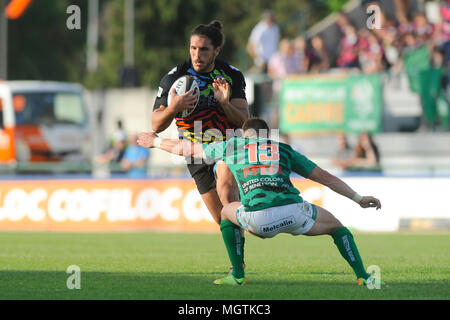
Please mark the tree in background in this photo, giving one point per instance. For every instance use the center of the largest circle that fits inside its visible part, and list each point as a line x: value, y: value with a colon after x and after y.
x: 42, y: 48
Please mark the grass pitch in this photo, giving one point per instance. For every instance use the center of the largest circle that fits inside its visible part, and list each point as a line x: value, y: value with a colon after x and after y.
x: 157, y: 265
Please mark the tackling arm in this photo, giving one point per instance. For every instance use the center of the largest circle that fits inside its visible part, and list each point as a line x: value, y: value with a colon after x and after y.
x: 179, y: 147
x: 337, y: 185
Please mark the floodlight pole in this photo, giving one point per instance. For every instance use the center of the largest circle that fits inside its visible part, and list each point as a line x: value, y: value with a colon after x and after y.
x: 3, y: 41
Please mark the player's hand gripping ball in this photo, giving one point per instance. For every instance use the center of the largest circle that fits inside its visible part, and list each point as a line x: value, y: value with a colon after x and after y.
x: 183, y: 85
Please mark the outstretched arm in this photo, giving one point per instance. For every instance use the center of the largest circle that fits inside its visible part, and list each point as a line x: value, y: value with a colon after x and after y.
x: 337, y: 185
x: 180, y: 147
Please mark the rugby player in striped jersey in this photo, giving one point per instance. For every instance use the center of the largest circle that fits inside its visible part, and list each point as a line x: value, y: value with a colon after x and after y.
x: 222, y: 105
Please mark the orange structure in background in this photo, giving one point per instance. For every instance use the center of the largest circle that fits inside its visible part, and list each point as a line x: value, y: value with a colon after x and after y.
x: 16, y: 8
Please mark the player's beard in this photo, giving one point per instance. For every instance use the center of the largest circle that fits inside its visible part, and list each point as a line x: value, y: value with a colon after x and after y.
x: 208, y: 66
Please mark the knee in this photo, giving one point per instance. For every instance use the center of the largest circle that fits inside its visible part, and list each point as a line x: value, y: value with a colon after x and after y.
x: 217, y: 219
x: 222, y: 214
x: 335, y: 226
x: 227, y: 193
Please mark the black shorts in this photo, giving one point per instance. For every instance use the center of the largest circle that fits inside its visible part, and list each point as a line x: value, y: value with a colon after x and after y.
x: 203, y: 175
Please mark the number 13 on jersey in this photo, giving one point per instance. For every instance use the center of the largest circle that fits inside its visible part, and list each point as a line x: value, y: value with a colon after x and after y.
x: 262, y: 153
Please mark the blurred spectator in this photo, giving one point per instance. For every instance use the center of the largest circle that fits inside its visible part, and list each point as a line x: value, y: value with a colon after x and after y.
x: 317, y: 56
x: 348, y: 56
x: 135, y: 159
x: 344, y: 151
x: 284, y: 62
x: 422, y: 29
x: 443, y: 31
x: 392, y: 50
x: 371, y: 51
x: 437, y: 58
x: 366, y: 155
x: 404, y: 24
x: 402, y: 8
x: 263, y: 41
x: 120, y: 133
x: 342, y: 22
x: 370, y: 54
x: 300, y: 50
x: 115, y: 153
x: 410, y: 43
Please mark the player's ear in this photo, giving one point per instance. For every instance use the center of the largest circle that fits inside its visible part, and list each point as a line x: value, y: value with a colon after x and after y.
x: 216, y: 52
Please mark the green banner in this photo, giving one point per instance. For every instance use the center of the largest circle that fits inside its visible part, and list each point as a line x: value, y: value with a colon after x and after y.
x: 415, y: 61
x: 331, y: 103
x: 363, y: 108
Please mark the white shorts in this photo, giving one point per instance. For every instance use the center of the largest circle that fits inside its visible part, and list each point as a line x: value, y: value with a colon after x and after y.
x: 295, y: 219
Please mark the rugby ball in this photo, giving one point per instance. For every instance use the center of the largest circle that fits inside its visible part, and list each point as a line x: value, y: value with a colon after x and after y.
x: 182, y: 85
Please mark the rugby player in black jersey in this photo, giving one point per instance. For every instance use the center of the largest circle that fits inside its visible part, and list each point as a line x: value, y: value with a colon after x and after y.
x: 222, y: 105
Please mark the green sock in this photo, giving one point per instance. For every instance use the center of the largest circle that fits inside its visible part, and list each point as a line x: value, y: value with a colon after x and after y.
x: 233, y: 242
x: 343, y: 239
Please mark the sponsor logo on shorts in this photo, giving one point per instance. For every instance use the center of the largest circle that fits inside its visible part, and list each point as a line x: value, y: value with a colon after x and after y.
x: 274, y: 226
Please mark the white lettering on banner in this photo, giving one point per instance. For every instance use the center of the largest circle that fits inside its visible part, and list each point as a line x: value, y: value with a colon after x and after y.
x: 128, y: 213
x: 99, y: 201
x: 167, y: 211
x: 148, y: 204
x: 55, y: 205
x: 77, y: 205
x: 120, y: 205
x: 315, y: 93
x: 14, y: 205
x: 75, y: 210
x: 191, y: 210
x: 35, y: 197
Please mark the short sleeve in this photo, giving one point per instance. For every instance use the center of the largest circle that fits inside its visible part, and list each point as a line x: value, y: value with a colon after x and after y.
x: 255, y: 34
x: 301, y: 164
x: 238, y: 87
x: 214, y: 151
x: 163, y: 91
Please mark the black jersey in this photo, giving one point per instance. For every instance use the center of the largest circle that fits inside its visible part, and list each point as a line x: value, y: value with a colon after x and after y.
x: 208, y: 111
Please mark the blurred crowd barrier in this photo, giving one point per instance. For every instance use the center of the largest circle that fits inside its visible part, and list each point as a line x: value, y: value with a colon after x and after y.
x: 174, y: 204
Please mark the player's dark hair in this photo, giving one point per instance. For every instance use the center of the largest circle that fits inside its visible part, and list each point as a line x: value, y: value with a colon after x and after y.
x: 212, y: 31
x: 255, y: 124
